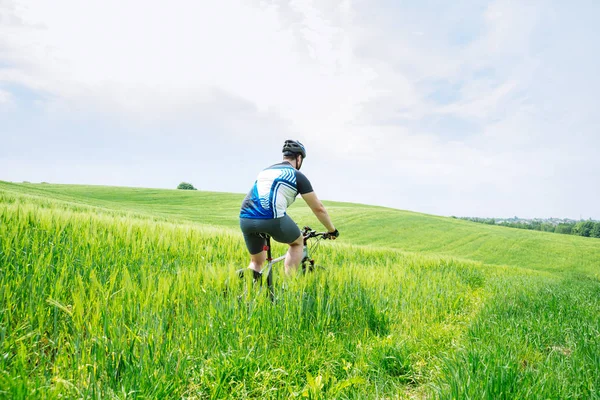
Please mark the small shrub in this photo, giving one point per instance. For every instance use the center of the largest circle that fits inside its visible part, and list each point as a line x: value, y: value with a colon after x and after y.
x: 186, y: 186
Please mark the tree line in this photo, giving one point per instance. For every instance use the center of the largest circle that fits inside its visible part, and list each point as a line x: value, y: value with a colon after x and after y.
x: 587, y: 228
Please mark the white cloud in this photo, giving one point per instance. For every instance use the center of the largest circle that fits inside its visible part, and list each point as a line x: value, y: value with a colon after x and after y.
x: 460, y: 97
x: 152, y: 61
x: 5, y: 98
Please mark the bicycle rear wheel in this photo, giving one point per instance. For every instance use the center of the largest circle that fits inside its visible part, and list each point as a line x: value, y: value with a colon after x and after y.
x: 257, y: 280
x: 270, y: 286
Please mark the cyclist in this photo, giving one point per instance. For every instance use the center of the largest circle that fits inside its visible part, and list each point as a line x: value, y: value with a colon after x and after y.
x: 264, y: 208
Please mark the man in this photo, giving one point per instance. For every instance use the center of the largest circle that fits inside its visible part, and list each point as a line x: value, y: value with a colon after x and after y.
x: 264, y: 208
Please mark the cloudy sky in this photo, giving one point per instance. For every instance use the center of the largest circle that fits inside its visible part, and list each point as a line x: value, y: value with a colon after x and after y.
x: 466, y: 108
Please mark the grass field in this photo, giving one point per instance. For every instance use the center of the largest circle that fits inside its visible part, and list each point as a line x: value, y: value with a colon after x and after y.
x: 130, y: 293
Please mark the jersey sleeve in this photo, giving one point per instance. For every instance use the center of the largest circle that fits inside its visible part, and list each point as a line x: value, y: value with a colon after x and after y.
x: 302, y: 183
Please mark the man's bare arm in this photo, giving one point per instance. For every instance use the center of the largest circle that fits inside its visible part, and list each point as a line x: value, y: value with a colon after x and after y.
x: 319, y: 210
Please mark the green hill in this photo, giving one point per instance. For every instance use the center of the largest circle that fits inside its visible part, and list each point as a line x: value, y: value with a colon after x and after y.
x: 359, y: 224
x: 112, y: 292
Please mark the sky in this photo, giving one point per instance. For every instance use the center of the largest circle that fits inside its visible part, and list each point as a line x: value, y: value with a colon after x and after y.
x: 462, y: 108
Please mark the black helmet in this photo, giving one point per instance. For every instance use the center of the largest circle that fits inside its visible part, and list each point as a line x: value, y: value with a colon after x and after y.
x: 293, y: 147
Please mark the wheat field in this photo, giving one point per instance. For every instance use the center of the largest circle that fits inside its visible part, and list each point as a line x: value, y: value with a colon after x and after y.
x: 125, y: 293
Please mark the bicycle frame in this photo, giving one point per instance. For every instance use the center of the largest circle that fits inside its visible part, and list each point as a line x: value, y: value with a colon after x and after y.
x: 269, y: 269
x: 307, y: 262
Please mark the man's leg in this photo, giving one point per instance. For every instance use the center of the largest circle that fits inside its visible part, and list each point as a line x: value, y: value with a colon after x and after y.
x: 257, y: 261
x: 293, y: 258
x: 254, y: 243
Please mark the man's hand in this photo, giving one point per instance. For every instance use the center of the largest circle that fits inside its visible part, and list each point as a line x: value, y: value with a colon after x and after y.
x: 332, y: 235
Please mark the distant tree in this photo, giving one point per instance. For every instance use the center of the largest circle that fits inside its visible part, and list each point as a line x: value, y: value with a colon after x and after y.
x: 186, y: 186
x: 595, y: 230
x: 583, y: 228
x: 548, y: 227
x: 564, y: 228
x: 535, y: 225
x: 589, y: 228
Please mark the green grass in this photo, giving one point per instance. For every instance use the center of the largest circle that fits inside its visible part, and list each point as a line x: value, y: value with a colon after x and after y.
x: 539, y: 339
x: 131, y: 293
x: 359, y: 224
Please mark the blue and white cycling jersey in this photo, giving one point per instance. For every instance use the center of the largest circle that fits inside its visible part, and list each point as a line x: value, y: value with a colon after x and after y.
x: 274, y: 191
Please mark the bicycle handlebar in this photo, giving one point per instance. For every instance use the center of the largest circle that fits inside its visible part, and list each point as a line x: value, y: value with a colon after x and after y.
x: 308, y: 233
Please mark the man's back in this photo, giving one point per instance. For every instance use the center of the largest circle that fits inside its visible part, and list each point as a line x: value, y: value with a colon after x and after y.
x: 275, y: 189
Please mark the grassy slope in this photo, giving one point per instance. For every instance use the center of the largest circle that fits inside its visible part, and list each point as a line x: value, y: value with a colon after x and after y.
x: 359, y: 224
x: 458, y: 328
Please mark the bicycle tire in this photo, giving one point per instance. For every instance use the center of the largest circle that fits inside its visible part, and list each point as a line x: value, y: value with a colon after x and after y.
x: 257, y: 279
x: 270, y: 286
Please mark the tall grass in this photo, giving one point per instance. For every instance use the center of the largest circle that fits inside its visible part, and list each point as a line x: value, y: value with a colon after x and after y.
x: 107, y: 306
x: 101, y: 302
x: 360, y: 225
x: 540, y: 338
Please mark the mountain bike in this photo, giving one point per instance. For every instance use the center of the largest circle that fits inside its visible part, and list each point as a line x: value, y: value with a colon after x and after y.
x: 312, y: 241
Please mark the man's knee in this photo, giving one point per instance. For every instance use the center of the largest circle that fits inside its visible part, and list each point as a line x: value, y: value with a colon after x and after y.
x: 297, y: 242
x: 258, y: 258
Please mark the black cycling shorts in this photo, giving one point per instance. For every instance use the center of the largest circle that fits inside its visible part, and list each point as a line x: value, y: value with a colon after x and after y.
x: 283, y: 230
